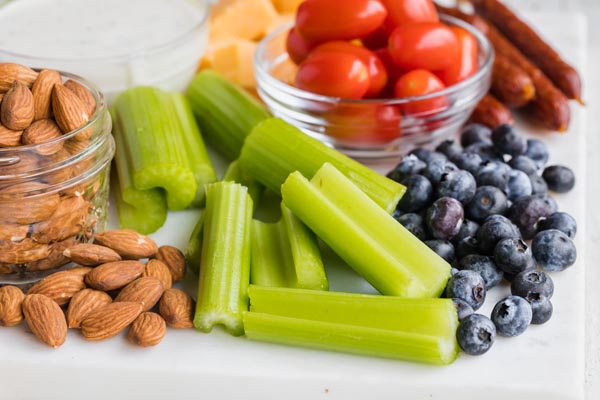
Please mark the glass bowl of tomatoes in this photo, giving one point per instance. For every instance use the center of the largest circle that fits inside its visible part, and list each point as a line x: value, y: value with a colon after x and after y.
x: 338, y: 108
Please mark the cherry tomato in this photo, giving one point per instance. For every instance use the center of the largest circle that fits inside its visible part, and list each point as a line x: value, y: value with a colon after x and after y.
x: 467, y: 64
x: 334, y: 74
x: 419, y: 82
x: 364, y: 124
x: 376, y: 39
x: 297, y: 47
x: 402, y: 12
x: 427, y: 45
x: 323, y: 20
x: 377, y: 71
x: 393, y: 71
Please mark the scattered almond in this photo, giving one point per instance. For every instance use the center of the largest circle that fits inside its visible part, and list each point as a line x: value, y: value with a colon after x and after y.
x: 109, y: 320
x: 91, y: 254
x: 84, y: 95
x: 69, y: 112
x: 10, y: 72
x: 148, y: 329
x: 128, y: 243
x: 60, y: 286
x: 42, y: 93
x: 11, y: 298
x: 146, y: 291
x: 16, y: 110
x: 114, y: 275
x: 45, y: 319
x: 174, y: 259
x: 159, y: 269
x: 83, y: 303
x: 20, y: 205
x: 43, y: 130
x: 9, y: 138
x: 177, y: 308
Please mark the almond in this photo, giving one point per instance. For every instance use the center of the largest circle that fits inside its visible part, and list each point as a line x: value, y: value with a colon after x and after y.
x: 13, y: 232
x: 114, y: 275
x: 41, y: 131
x: 60, y: 286
x: 91, y: 254
x: 83, y: 303
x: 75, y: 145
x: 128, y: 243
x: 146, y: 291
x: 69, y: 112
x: 177, y: 308
x: 55, y: 258
x: 84, y: 95
x: 23, y: 252
x: 109, y: 320
x: 10, y: 72
x: 45, y: 319
x: 159, y: 269
x: 26, y: 203
x: 11, y: 298
x: 9, y: 138
x: 174, y: 260
x: 67, y: 220
x: 148, y: 329
x: 24, y: 163
x: 42, y: 93
x: 16, y: 110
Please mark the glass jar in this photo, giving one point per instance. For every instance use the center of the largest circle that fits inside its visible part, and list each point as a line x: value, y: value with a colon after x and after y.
x: 54, y: 195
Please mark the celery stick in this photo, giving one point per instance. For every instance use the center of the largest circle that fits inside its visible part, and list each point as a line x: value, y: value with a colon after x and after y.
x: 225, y: 259
x: 193, y: 251
x: 234, y: 173
x: 274, y: 149
x: 423, y: 316
x: 200, y: 162
x: 432, y: 349
x: 225, y: 112
x: 271, y: 261
x: 154, y: 145
x: 372, y: 242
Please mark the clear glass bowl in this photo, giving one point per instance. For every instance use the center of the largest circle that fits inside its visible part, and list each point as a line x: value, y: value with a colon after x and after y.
x: 53, y: 195
x: 370, y: 128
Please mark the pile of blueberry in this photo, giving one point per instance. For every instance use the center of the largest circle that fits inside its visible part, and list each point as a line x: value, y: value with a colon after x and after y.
x: 476, y: 204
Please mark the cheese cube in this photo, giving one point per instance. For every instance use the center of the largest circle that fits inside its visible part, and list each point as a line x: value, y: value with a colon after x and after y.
x: 244, y: 19
x: 287, y: 6
x: 234, y: 60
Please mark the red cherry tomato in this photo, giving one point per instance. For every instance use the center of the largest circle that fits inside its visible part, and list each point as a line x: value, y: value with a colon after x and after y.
x: 323, y: 20
x: 402, y: 12
x: 364, y: 124
x: 393, y: 71
x: 419, y: 82
x: 427, y: 45
x: 377, y: 71
x: 334, y: 74
x: 297, y: 47
x: 467, y: 64
x: 377, y: 39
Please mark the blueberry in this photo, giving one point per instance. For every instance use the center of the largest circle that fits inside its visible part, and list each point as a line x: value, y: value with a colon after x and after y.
x: 419, y: 193
x: 526, y: 211
x: 541, y: 309
x: 511, y: 315
x: 468, y: 161
x: 409, y: 165
x: 449, y: 148
x: 493, y: 173
x: 475, y: 133
x: 494, y: 229
x: 468, y: 286
x: 519, y: 185
x: 397, y: 213
x: 414, y: 224
x: 553, y: 250
x: 532, y: 284
x: 551, y: 204
x: 466, y: 246
x: 442, y: 248
x: 488, y: 200
x: 559, y: 178
x: 427, y: 155
x: 511, y: 256
x: 476, y: 334
x: 444, y: 218
x: 468, y: 228
x: 486, y: 151
x: 537, y: 151
x: 561, y: 221
x: 457, y: 184
x: 508, y: 141
x: 523, y: 163
x: 435, y: 169
x: 483, y: 265
x: 538, y: 185
x: 462, y: 308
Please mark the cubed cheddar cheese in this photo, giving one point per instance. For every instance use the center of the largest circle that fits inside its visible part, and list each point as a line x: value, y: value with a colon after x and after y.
x: 234, y: 60
x: 242, y: 19
x: 287, y: 6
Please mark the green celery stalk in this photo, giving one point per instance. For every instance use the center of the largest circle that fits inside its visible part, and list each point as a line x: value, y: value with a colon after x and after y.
x: 372, y: 242
x: 200, y: 162
x: 193, y: 250
x: 225, y: 259
x: 271, y: 261
x: 234, y: 173
x: 225, y: 112
x: 274, y: 149
x: 153, y: 144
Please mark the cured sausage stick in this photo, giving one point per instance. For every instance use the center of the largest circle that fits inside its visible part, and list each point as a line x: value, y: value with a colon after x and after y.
x: 563, y: 75
x: 510, y: 84
x: 491, y: 112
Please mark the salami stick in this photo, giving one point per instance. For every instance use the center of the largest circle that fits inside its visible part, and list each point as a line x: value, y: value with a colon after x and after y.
x: 510, y: 84
x: 491, y: 112
x: 563, y: 75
